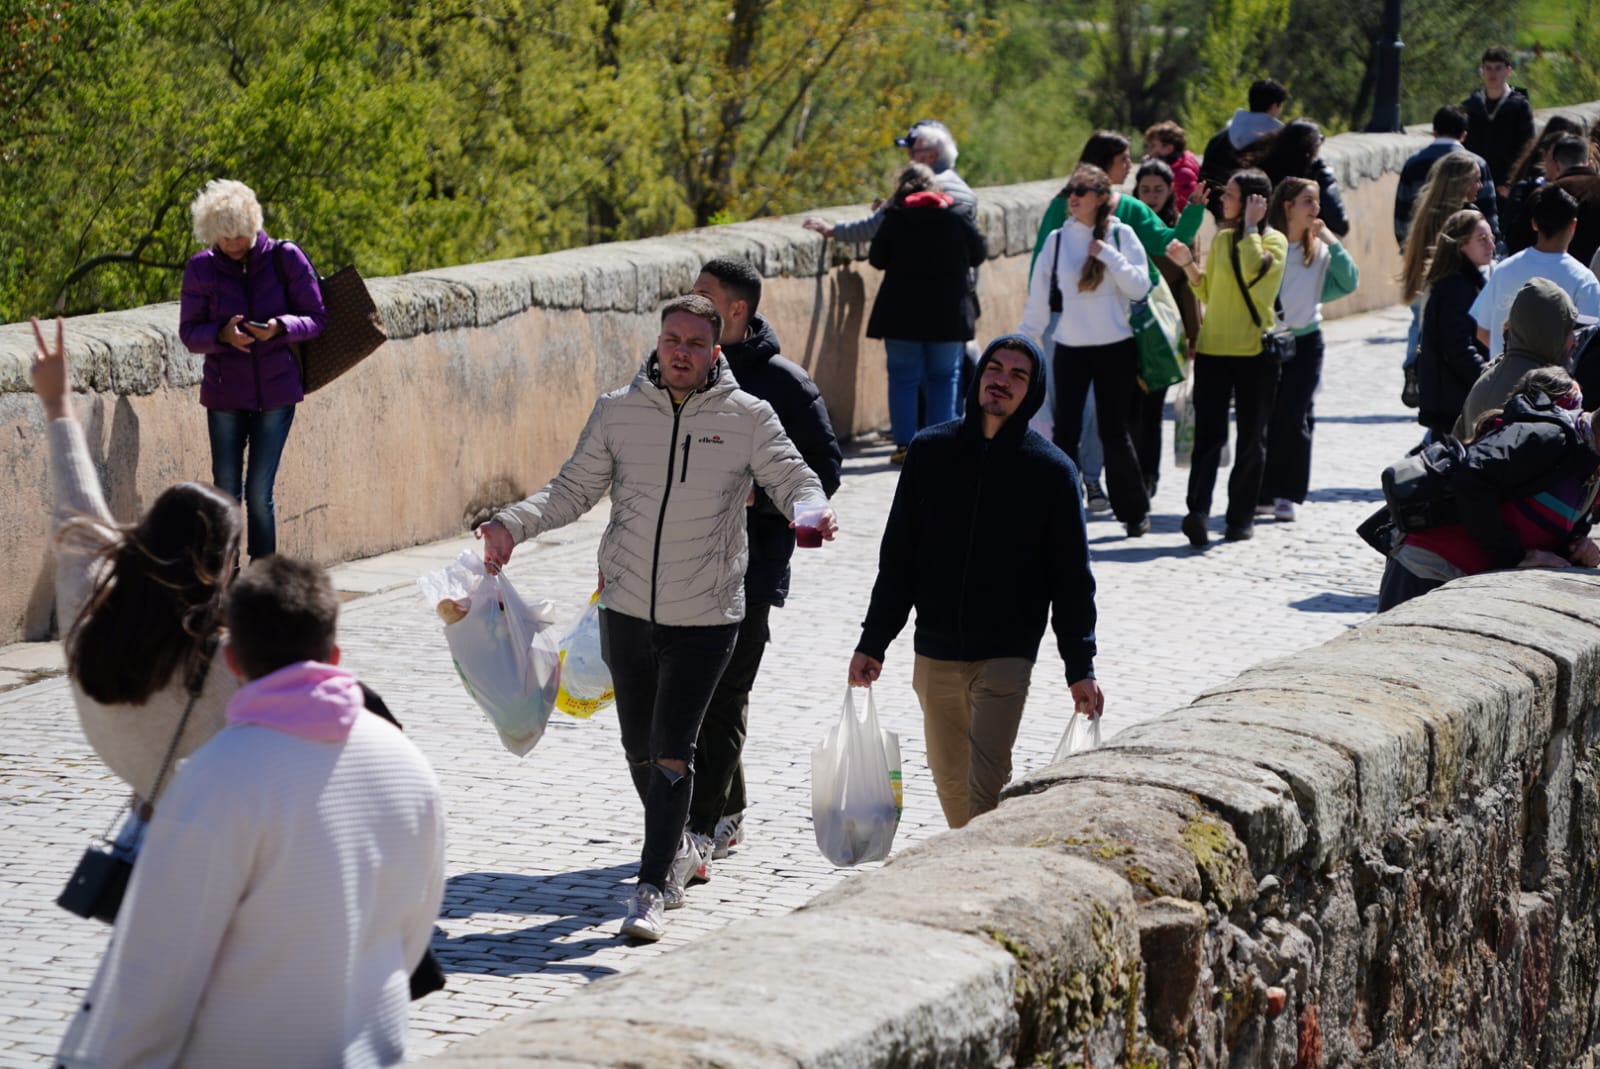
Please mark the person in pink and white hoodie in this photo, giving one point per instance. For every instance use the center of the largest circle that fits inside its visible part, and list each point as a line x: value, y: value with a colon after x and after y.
x: 289, y: 881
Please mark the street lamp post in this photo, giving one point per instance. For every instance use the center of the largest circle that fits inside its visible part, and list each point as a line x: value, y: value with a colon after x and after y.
x: 1386, y: 93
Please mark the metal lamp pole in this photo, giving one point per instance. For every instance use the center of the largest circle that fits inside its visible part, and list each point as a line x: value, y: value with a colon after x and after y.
x: 1386, y: 93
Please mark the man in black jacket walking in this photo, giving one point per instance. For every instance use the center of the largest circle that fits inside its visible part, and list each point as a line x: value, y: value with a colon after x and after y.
x: 716, y: 814
x: 985, y: 539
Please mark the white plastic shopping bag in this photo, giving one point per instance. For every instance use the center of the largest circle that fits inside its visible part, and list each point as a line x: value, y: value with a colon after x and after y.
x: 585, y: 679
x: 854, y: 805
x: 1182, y: 425
x: 1082, y: 735
x: 504, y: 648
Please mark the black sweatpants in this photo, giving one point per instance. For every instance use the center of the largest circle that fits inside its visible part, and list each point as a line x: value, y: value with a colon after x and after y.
x: 1113, y: 370
x: 1250, y: 382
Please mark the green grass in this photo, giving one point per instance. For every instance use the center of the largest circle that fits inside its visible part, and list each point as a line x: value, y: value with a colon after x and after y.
x: 1547, y: 24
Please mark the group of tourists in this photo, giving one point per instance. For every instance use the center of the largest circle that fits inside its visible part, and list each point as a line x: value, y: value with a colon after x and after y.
x: 1100, y: 254
x: 175, y: 652
x: 1500, y: 239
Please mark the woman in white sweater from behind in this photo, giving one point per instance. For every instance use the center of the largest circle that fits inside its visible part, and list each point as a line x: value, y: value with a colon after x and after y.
x: 1092, y: 269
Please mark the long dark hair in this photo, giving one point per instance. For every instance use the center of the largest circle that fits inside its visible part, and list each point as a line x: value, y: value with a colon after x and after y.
x: 158, y: 599
x: 1531, y: 163
x: 1251, y: 183
x: 1289, y: 152
x: 1103, y: 148
x: 1154, y: 168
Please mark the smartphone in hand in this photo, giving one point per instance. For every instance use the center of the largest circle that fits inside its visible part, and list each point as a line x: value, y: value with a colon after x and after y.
x: 258, y: 326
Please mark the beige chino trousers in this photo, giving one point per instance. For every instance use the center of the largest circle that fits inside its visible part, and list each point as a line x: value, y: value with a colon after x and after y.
x: 970, y: 714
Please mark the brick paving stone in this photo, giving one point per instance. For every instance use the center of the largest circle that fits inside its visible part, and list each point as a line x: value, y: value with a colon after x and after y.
x: 542, y: 849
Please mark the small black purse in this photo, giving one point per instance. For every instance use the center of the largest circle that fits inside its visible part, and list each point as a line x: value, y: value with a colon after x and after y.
x: 97, y: 885
x: 1277, y: 343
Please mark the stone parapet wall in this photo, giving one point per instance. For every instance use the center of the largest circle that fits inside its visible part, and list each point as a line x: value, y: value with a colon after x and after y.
x: 1377, y: 852
x: 493, y: 367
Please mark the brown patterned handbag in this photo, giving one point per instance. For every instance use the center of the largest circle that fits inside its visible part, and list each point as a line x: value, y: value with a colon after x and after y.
x: 354, y: 329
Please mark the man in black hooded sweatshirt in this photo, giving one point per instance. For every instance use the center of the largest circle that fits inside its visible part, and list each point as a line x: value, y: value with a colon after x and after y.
x: 716, y: 814
x: 984, y: 539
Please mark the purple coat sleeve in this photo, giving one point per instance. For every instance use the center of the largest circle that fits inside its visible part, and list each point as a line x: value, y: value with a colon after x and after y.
x: 307, y: 315
x: 198, y: 322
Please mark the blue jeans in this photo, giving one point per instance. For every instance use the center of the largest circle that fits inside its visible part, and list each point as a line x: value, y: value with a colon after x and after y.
x: 1414, y: 334
x: 934, y: 367
x: 264, y: 434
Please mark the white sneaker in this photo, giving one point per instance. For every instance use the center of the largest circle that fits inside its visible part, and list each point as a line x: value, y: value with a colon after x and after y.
x: 1283, y: 510
x: 683, y: 866
x: 644, y: 920
x: 704, y: 847
x: 1263, y: 511
x: 730, y: 833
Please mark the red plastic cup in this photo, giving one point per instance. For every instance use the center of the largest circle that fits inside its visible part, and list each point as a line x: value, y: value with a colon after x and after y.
x: 807, y: 521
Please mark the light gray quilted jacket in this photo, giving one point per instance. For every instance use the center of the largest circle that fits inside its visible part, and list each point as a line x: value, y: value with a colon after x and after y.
x: 675, y: 549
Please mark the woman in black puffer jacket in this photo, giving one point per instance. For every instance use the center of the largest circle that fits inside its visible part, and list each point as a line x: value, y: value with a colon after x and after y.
x: 925, y: 313
x: 1449, y: 356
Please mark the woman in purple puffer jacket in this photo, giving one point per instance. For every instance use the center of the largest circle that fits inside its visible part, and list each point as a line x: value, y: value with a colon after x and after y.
x: 246, y: 299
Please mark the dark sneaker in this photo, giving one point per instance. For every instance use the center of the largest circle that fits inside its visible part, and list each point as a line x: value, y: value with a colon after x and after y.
x: 1140, y: 529
x: 1194, y: 529
x: 1239, y: 534
x: 1094, y: 497
x: 1411, y: 392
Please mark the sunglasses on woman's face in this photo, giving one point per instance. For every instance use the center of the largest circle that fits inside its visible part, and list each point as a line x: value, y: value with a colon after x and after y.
x: 1081, y: 191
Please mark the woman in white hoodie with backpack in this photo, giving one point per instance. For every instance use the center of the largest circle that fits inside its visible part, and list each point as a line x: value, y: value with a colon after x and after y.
x: 1091, y: 270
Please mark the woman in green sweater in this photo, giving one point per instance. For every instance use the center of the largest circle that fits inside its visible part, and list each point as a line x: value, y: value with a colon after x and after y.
x: 1229, y: 363
x: 1109, y: 151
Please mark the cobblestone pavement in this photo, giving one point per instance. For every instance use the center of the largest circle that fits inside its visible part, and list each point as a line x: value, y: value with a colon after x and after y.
x: 542, y: 849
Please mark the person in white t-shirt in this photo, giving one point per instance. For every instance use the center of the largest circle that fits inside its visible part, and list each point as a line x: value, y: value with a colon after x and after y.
x: 1554, y: 216
x: 1090, y: 270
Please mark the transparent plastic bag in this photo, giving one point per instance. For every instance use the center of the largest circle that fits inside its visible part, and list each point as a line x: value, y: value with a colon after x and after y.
x: 1081, y: 736
x: 585, y: 679
x: 503, y: 647
x: 854, y: 805
x: 1182, y: 425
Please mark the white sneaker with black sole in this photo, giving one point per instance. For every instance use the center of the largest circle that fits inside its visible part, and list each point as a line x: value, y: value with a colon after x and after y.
x: 644, y: 919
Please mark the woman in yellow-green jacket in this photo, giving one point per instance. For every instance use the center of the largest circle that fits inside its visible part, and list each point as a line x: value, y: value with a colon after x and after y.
x: 1229, y: 362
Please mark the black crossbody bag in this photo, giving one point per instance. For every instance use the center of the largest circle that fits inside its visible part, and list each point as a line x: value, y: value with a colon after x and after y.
x: 1276, y: 342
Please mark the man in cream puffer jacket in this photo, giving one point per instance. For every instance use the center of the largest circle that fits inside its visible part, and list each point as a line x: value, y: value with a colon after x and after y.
x: 680, y: 448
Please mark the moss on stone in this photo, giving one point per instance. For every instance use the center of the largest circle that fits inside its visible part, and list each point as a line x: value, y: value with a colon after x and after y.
x: 1218, y: 856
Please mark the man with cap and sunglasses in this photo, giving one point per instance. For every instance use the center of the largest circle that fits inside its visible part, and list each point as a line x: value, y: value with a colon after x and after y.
x: 927, y: 142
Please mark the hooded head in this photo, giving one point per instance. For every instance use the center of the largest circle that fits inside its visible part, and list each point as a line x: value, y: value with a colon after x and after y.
x: 1541, y: 322
x: 1016, y: 423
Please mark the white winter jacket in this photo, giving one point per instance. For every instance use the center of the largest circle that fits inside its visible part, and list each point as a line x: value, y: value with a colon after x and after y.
x: 675, y: 549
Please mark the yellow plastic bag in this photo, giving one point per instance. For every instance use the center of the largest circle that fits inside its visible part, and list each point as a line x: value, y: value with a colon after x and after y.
x: 585, y: 679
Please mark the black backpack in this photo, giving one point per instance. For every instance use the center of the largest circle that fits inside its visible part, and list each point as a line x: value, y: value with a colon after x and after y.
x: 1417, y: 487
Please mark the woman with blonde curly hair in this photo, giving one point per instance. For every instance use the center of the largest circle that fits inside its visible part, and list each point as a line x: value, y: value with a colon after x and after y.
x: 246, y: 300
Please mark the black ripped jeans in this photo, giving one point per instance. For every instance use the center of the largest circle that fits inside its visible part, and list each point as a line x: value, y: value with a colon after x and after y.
x: 663, y: 677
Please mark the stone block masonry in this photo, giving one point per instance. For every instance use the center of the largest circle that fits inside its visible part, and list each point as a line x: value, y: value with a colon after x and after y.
x: 1373, y: 853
